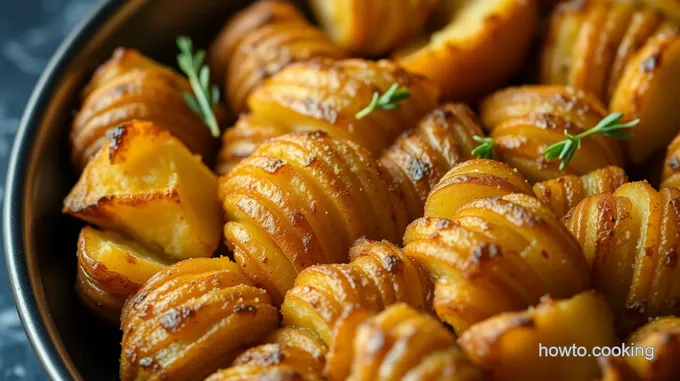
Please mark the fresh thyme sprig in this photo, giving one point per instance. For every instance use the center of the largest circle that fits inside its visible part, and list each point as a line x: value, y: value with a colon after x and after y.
x: 205, y: 96
x: 485, y: 149
x: 387, y: 101
x: 610, y: 126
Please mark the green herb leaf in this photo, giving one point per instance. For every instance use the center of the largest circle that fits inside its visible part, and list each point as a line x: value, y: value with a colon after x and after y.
x: 609, y: 126
x: 485, y: 149
x: 386, y: 101
x: 204, y: 97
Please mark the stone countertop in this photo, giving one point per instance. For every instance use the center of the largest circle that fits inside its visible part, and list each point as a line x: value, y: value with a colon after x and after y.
x: 30, y: 31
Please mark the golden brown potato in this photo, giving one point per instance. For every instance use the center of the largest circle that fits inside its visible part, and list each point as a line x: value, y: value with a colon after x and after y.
x: 259, y: 41
x: 483, y: 44
x: 421, y: 156
x: 402, y: 344
x: 371, y: 28
x: 616, y: 369
x: 290, y: 354
x: 516, y: 346
x: 630, y: 239
x: 661, y: 362
x: 146, y: 184
x: 302, y: 199
x: 670, y: 9
x: 110, y: 269
x: 332, y: 300
x: 671, y: 166
x: 525, y: 120
x: 132, y: 87
x: 564, y: 193
x: 190, y: 319
x: 472, y: 180
x: 495, y: 255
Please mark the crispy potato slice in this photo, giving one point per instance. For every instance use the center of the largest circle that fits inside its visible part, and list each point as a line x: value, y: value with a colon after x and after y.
x: 657, y: 350
x: 630, y: 239
x: 145, y: 184
x: 483, y: 45
x: 564, y: 193
x: 402, y: 344
x: 258, y: 42
x: 646, y: 91
x: 190, y: 319
x: 110, y: 269
x: 472, y: 180
x: 509, y: 345
x: 371, y: 28
x: 132, y: 87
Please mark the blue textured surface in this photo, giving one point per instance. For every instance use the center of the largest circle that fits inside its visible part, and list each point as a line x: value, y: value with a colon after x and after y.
x: 30, y: 31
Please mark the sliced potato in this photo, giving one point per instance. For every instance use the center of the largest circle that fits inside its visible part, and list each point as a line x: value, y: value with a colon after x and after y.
x: 516, y: 346
x: 371, y: 28
x: 657, y: 350
x: 145, y: 184
x: 110, y: 269
x: 671, y: 169
x: 482, y: 46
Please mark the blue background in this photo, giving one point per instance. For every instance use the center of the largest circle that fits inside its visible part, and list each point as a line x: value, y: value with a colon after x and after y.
x: 30, y: 31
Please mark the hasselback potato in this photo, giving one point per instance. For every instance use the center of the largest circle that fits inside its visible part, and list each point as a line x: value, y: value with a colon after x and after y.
x: 132, y: 87
x: 516, y: 346
x: 371, y: 27
x: 110, y: 269
x: 472, y: 180
x: 145, y: 184
x: 332, y: 300
x: 190, y: 319
x: 495, y: 255
x: 401, y: 343
x: 661, y: 362
x: 630, y: 239
x: 629, y: 57
x: 463, y: 56
x: 525, y: 120
x: 564, y: 193
x: 259, y: 41
x: 671, y: 170
x: 326, y: 95
x: 242, y: 139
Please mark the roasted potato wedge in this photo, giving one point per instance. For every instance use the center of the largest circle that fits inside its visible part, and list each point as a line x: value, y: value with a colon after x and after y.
x: 472, y: 180
x: 401, y: 343
x: 483, y: 44
x: 146, y: 184
x: 258, y: 42
x: 630, y: 239
x: 332, y: 300
x: 371, y: 28
x: 495, y: 255
x: 132, y: 87
x: 657, y: 350
x: 526, y: 120
x: 564, y: 193
x: 110, y: 269
x: 190, y: 319
x: 509, y: 345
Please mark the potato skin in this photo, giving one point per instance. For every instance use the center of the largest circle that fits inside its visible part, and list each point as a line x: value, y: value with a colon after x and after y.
x: 526, y: 120
x: 190, y: 319
x: 132, y: 87
x: 371, y: 28
x: 564, y: 193
x: 241, y: 140
x: 664, y: 335
x: 495, y: 255
x: 472, y: 180
x: 670, y: 176
x: 332, y: 300
x: 478, y: 36
x: 508, y: 344
x: 629, y: 238
x: 259, y: 41
x: 110, y: 269
x: 420, y: 157
x: 145, y: 184
x: 402, y: 344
